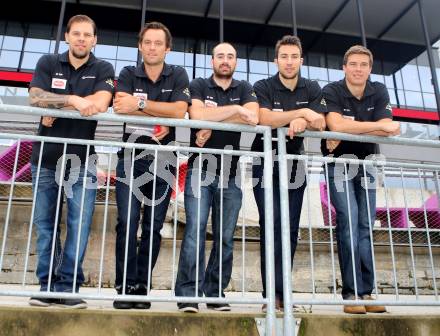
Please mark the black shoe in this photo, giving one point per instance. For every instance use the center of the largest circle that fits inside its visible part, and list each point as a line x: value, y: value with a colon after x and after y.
x: 188, y: 307
x: 72, y: 303
x: 123, y: 304
x: 141, y: 305
x: 41, y: 302
x: 129, y: 290
x: 219, y: 306
x: 141, y: 289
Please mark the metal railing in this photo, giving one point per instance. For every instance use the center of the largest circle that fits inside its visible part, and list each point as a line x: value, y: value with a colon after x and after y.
x: 155, y: 150
x: 407, y: 224
x: 402, y: 219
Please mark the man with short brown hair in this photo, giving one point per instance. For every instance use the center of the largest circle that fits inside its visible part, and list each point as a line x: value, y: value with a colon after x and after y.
x: 286, y: 100
x: 74, y: 80
x: 357, y: 106
x: 151, y: 89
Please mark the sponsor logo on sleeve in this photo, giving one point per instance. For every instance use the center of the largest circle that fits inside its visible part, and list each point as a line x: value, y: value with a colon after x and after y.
x: 141, y: 95
x: 388, y: 107
x: 59, y: 83
x: 110, y: 83
x: 186, y: 92
x: 348, y: 117
x: 323, y: 102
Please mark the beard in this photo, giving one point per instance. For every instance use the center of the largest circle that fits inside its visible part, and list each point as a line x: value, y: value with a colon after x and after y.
x: 223, y: 75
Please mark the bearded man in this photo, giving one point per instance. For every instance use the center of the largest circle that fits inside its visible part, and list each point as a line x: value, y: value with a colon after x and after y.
x: 224, y: 99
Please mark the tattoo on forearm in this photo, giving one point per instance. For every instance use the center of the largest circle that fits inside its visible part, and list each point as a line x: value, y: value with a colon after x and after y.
x: 41, y: 98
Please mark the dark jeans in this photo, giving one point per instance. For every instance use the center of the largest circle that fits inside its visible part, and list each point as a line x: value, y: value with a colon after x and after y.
x: 78, y: 222
x: 210, y: 197
x: 359, y: 237
x: 295, y: 204
x: 138, y: 257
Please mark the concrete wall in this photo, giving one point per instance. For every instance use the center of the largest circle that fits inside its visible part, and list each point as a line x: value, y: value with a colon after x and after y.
x: 15, y: 248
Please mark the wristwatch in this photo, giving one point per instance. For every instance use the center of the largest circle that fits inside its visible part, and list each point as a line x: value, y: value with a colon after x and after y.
x: 141, y: 103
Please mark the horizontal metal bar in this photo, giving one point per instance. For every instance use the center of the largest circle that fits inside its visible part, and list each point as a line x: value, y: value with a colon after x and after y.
x: 147, y: 120
x: 368, y: 138
x: 30, y: 110
x: 136, y: 298
x: 365, y: 302
x: 106, y: 143
x: 241, y: 300
x: 360, y: 162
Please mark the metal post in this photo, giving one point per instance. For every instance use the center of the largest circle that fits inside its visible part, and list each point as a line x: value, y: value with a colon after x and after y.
x: 294, y: 24
x: 269, y: 238
x: 285, y: 233
x: 430, y: 57
x: 60, y: 26
x: 361, y: 22
x: 144, y: 9
x: 221, y: 21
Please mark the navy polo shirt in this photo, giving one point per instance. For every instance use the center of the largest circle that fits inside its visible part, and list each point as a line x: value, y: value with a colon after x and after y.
x: 273, y: 95
x: 238, y: 93
x: 54, y: 73
x: 171, y: 86
x: 373, y: 106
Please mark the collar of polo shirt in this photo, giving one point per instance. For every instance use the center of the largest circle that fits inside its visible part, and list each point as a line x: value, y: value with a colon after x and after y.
x: 140, y: 71
x: 212, y: 84
x: 64, y: 58
x: 369, y: 89
x: 280, y: 86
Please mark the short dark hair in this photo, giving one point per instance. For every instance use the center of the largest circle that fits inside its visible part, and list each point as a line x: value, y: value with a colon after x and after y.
x: 81, y: 18
x: 358, y: 50
x: 159, y: 26
x: 213, y: 48
x: 288, y: 40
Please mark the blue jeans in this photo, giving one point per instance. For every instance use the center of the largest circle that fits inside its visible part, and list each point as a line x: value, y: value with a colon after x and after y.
x: 295, y: 205
x: 360, y: 228
x: 210, y: 197
x: 63, y: 268
x: 138, y: 257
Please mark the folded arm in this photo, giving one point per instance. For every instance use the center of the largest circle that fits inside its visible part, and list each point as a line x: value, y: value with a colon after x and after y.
x: 125, y: 103
x: 383, y: 127
x: 92, y: 104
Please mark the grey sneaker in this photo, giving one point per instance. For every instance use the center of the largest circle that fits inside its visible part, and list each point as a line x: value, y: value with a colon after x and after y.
x: 72, y: 303
x: 219, y: 306
x: 42, y: 302
x: 188, y: 307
